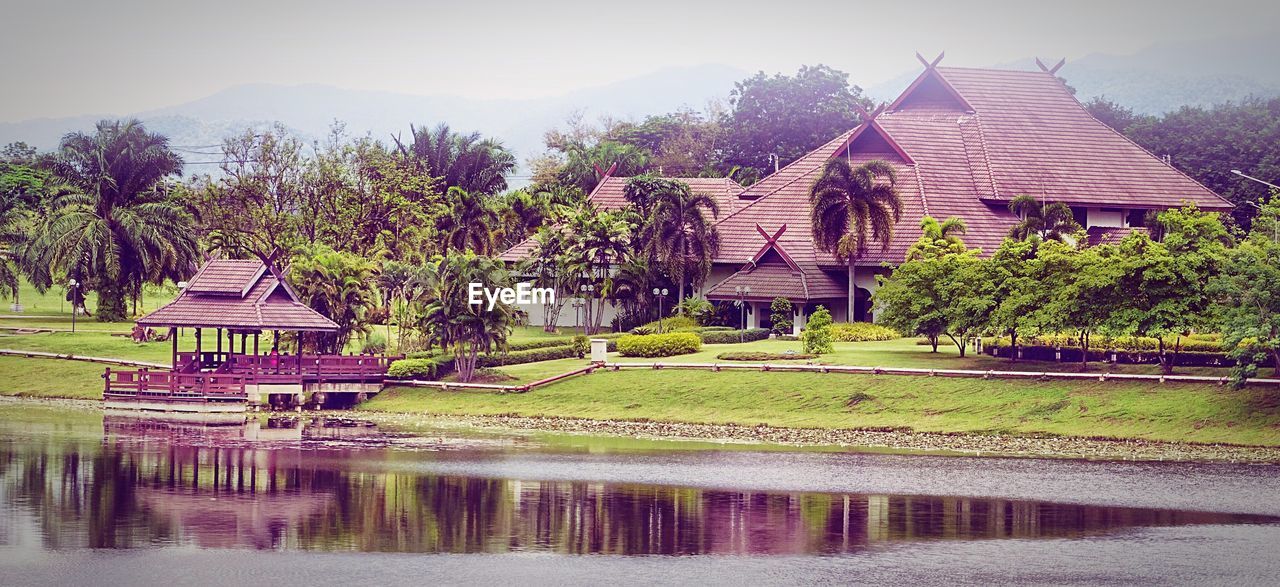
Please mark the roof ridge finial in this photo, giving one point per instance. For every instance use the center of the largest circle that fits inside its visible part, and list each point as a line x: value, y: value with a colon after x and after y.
x: 1051, y: 70
x: 930, y: 64
x: 869, y: 116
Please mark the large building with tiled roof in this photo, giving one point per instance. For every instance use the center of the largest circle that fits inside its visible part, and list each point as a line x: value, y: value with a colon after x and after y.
x: 964, y: 142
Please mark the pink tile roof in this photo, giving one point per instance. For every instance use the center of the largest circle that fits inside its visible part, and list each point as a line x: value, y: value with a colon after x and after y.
x: 968, y: 142
x: 240, y: 295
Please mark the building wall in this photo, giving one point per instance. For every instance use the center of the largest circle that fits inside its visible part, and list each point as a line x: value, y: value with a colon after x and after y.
x: 568, y: 317
x: 1109, y: 217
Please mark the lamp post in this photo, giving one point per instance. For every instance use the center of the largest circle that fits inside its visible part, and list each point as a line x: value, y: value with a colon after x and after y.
x: 661, y: 293
x: 75, y: 308
x: 1250, y: 177
x: 743, y: 292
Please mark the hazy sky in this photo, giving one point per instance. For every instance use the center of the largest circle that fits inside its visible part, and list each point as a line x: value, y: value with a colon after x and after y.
x: 97, y: 57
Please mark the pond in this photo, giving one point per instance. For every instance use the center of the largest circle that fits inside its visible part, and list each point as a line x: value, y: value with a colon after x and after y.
x: 105, y: 499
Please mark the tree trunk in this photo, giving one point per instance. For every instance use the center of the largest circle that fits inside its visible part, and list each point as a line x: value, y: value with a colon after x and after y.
x: 1084, y: 349
x: 1013, y: 346
x: 853, y: 298
x: 933, y: 342
x: 111, y: 303
x: 960, y: 343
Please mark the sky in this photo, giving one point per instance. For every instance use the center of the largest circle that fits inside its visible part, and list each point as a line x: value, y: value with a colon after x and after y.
x: 64, y: 58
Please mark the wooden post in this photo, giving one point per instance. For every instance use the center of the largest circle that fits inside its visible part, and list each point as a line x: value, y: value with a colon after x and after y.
x: 219, y: 337
x: 244, y: 340
x: 199, y: 356
x: 173, y: 336
x: 255, y: 344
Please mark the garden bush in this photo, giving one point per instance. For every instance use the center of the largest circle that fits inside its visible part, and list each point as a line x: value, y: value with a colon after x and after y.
x: 427, y: 368
x: 670, y: 324
x: 374, y: 344
x: 862, y: 332
x: 567, y: 351
x: 762, y: 356
x: 539, y: 343
x: 816, y: 338
x: 1205, y: 343
x: 733, y: 336
x: 659, y: 345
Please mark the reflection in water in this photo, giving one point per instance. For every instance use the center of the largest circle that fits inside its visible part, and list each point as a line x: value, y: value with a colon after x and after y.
x: 151, y: 483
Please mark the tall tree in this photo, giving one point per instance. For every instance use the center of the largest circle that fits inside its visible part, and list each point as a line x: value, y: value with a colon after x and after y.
x: 852, y: 206
x: 465, y: 221
x: 1246, y: 296
x: 1047, y: 220
x: 14, y: 220
x: 338, y: 285
x: 938, y: 238
x: 466, y: 161
x: 601, y: 242
x: 1016, y: 291
x: 117, y: 225
x: 256, y: 206
x: 676, y: 231
x: 465, y: 329
x: 788, y: 116
x: 550, y: 267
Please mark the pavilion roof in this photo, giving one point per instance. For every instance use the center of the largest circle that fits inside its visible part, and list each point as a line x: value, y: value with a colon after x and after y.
x: 238, y: 294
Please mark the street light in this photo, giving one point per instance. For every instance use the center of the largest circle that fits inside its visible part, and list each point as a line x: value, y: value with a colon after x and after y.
x: 587, y: 291
x: 74, y: 306
x: 743, y: 292
x: 1250, y: 177
x: 661, y: 293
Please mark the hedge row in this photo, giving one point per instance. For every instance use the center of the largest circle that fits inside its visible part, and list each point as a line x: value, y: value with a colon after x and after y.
x: 527, y: 356
x: 426, y: 368
x: 733, y: 336
x: 761, y: 356
x: 659, y: 345
x: 1207, y: 343
x: 861, y: 332
x: 1184, y: 358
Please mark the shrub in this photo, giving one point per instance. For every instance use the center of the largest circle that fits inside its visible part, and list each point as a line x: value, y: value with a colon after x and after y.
x: 762, y: 356
x: 527, y: 356
x: 816, y: 338
x: 781, y: 314
x: 421, y: 368
x: 581, y: 344
x: 659, y: 345
x: 733, y: 336
x: 670, y: 324
x: 861, y: 332
x: 539, y: 343
x: 699, y: 309
x: 374, y: 344
x: 642, y: 330
x: 789, y: 337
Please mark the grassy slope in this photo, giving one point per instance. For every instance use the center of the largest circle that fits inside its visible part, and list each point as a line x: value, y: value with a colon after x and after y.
x: 50, y: 378
x: 1199, y: 413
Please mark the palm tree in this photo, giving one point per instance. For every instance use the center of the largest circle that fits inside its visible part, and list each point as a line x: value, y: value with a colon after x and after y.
x: 469, y: 161
x: 937, y: 239
x: 601, y: 241
x: 466, y: 329
x: 13, y: 220
x: 116, y: 226
x: 1051, y: 221
x: 852, y: 206
x: 676, y: 233
x: 549, y: 267
x: 338, y: 285
x: 466, y: 222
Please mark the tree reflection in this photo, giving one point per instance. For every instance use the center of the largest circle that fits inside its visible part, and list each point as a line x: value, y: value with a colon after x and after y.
x: 164, y: 489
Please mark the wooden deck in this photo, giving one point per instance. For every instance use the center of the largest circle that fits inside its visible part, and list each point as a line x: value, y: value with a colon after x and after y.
x: 226, y: 377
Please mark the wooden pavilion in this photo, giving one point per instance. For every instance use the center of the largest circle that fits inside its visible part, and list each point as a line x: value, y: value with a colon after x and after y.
x: 240, y: 299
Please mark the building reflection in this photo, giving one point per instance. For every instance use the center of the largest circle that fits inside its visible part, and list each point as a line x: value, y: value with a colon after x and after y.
x: 153, y: 483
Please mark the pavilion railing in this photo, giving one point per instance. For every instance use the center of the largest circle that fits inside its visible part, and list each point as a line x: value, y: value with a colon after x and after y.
x: 167, y: 384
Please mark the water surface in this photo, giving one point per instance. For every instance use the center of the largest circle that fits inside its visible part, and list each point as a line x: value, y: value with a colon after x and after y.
x: 87, y: 497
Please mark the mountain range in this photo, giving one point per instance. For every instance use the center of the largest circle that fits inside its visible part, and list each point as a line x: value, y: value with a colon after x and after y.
x: 1155, y: 80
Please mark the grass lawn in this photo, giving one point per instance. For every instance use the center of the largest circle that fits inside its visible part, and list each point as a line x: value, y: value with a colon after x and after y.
x: 50, y: 309
x: 1170, y: 412
x: 50, y: 378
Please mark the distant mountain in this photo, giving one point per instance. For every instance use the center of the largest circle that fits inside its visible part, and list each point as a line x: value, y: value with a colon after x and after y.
x: 309, y: 110
x: 1161, y: 78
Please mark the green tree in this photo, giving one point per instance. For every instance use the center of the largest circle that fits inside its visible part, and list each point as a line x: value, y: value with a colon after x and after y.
x: 949, y: 295
x: 116, y: 226
x: 788, y: 116
x: 14, y: 225
x: 600, y: 243
x: 1246, y: 296
x: 781, y: 315
x: 1082, y: 290
x: 816, y: 338
x: 549, y: 266
x: 676, y: 232
x: 938, y: 239
x: 1048, y: 220
x: 341, y: 286
x: 467, y: 330
x: 465, y: 222
x: 254, y: 207
x: 466, y: 161
x: 852, y: 206
x: 1015, y: 289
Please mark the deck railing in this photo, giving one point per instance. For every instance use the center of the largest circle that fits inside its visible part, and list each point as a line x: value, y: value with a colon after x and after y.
x: 231, y: 374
